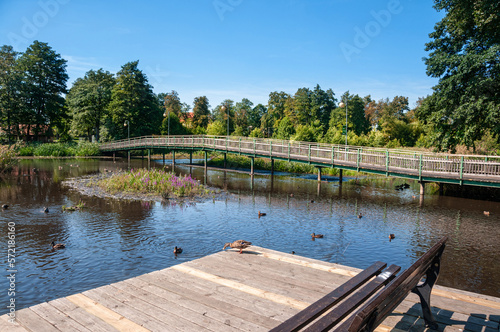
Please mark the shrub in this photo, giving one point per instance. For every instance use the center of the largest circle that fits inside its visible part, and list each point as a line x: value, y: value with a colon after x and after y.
x: 7, y: 158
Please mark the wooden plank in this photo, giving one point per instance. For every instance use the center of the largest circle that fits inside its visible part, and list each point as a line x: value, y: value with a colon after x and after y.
x: 57, y: 318
x: 447, y: 317
x: 242, y: 287
x: 161, y: 307
x: 467, y: 298
x: 93, y: 323
x: 199, y: 307
x: 227, y: 307
x: 232, y: 296
x: 31, y: 321
x: 109, y: 316
x: 313, y: 265
x: 284, y: 286
x: 130, y: 310
x: 7, y: 326
x: 467, y: 308
x: 300, y: 276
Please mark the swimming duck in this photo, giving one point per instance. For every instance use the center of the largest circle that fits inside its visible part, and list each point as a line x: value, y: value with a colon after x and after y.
x: 238, y: 244
x: 261, y: 214
x: 486, y: 213
x: 360, y: 216
x: 5, y: 206
x: 177, y: 250
x: 392, y: 237
x: 45, y: 209
x: 316, y: 236
x: 57, y: 246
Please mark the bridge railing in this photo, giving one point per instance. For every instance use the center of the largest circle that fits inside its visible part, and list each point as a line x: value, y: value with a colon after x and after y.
x: 388, y: 160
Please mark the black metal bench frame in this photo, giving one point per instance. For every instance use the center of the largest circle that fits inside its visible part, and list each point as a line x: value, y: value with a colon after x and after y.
x: 364, y: 311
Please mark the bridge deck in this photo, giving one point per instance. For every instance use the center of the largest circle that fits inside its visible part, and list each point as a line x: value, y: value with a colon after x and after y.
x: 425, y: 167
x: 226, y: 291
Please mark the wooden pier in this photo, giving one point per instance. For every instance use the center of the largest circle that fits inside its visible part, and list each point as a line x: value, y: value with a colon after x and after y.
x: 226, y: 291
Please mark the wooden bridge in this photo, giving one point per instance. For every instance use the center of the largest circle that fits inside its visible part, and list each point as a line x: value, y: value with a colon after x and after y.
x: 422, y: 166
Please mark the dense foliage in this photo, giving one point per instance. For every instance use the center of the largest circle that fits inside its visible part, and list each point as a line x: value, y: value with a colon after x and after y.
x: 463, y: 111
x: 465, y: 56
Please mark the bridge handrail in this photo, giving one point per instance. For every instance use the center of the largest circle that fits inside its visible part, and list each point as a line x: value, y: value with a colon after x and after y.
x: 377, y: 158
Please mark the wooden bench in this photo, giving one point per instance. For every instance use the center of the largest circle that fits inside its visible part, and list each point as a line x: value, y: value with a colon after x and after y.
x: 354, y: 307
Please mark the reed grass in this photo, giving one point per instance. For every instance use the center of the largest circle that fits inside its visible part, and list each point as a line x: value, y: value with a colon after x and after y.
x: 153, y: 181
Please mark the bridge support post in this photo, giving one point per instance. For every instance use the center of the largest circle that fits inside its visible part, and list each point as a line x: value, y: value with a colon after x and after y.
x: 128, y: 158
x: 190, y: 157
x: 163, y: 158
x: 441, y: 188
x: 272, y: 166
x: 340, y: 176
x: 142, y: 154
x: 149, y: 158
x: 319, y: 174
x: 113, y: 156
x: 225, y: 160
x: 173, y: 159
x: 422, y: 188
x: 251, y: 165
x: 206, y: 161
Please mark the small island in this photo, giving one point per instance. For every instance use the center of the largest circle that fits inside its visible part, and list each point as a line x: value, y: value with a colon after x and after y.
x: 140, y: 184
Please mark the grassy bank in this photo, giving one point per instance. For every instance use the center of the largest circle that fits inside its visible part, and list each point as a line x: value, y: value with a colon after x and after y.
x: 80, y: 149
x: 235, y: 161
x: 153, y: 182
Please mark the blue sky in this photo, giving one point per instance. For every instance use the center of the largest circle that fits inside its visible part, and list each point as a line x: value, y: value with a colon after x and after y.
x: 234, y: 49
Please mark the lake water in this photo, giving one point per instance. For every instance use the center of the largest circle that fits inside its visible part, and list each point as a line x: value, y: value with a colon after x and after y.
x: 111, y: 240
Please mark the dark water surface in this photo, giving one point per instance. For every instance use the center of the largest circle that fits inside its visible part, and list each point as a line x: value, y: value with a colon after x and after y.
x: 112, y: 240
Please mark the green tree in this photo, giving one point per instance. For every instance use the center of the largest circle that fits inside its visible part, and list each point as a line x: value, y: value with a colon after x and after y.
x: 465, y: 56
x: 222, y: 112
x: 88, y: 101
x: 242, y: 110
x: 10, y: 86
x: 132, y: 99
x: 356, y: 119
x: 201, y: 112
x: 216, y: 128
x: 255, y: 114
x: 322, y: 104
x: 172, y: 104
x: 176, y: 127
x: 277, y: 104
x: 285, y: 129
x: 44, y: 83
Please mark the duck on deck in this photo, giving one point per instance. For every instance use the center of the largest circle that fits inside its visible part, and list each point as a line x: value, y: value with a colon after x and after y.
x: 225, y: 291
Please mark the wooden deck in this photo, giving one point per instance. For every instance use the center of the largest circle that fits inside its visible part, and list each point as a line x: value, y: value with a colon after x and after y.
x: 226, y: 291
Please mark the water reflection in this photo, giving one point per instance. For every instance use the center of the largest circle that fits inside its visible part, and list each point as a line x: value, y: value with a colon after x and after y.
x: 110, y: 240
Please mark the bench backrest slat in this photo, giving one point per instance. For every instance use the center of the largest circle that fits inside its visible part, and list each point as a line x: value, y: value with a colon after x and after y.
x: 375, y: 311
x: 350, y: 304
x: 313, y: 311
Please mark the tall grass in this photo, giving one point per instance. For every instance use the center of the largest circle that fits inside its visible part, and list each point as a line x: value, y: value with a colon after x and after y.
x: 7, y: 158
x: 82, y: 149
x: 154, y: 181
